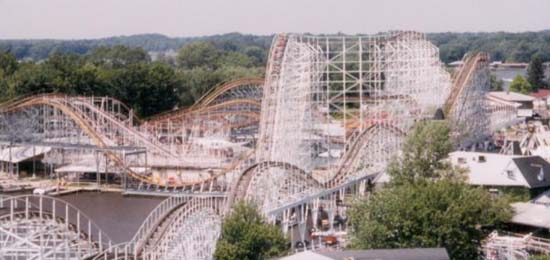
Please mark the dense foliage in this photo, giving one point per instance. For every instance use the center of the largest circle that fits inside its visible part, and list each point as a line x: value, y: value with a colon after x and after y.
x: 502, y: 46
x: 247, y: 236
x: 535, y: 74
x: 41, y: 49
x: 510, y: 47
x: 129, y: 75
x: 121, y: 67
x: 521, y: 85
x: 126, y: 74
x: 427, y: 203
x: 496, y: 84
x: 423, y: 153
x: 445, y: 213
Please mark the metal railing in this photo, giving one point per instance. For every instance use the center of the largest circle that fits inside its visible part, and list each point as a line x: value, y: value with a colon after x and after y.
x: 157, y: 216
x: 31, y: 210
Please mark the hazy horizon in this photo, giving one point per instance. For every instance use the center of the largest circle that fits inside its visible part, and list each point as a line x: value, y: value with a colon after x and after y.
x: 82, y: 19
x: 209, y: 35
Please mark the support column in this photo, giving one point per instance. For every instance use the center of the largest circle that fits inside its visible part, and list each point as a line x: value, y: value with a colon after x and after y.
x: 97, y: 172
x: 331, y: 214
x: 124, y: 173
x: 33, y: 161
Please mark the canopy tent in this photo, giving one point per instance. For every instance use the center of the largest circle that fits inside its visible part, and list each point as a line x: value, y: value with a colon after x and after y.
x: 19, y: 154
x: 91, y: 166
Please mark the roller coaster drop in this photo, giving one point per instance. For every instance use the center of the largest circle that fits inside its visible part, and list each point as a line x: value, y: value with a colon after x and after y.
x: 322, y: 125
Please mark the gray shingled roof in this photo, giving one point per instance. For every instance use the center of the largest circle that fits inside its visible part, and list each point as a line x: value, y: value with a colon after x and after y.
x: 530, y: 168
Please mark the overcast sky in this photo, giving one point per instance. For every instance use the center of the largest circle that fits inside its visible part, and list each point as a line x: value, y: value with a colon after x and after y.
x: 72, y: 19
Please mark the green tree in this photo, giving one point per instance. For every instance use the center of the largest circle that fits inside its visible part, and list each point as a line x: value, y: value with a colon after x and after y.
x: 4, y: 89
x: 31, y: 79
x: 236, y: 59
x: 258, y: 54
x: 519, y: 84
x: 118, y: 56
x: 423, y: 153
x: 8, y: 64
x: 197, y: 81
x: 159, y: 94
x: 535, y: 74
x: 427, y: 203
x: 87, y: 82
x: 199, y: 54
x: 446, y: 213
x: 247, y: 236
x: 496, y: 84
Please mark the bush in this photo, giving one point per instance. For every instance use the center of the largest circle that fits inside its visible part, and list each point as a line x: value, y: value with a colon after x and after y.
x: 247, y: 236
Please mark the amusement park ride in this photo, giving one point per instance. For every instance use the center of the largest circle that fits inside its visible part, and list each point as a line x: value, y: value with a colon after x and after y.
x: 321, y: 126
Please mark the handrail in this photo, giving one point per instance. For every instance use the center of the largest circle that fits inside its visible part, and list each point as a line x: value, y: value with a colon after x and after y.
x: 205, y: 100
x: 154, y: 219
x: 462, y: 77
x: 113, y: 120
x: 514, y: 241
x: 175, y: 115
x: 358, y: 138
x: 191, y: 207
x: 121, y: 251
x: 48, y: 205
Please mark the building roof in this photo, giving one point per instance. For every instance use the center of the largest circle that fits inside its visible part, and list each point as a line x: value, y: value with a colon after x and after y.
x: 510, y: 96
x: 491, y: 169
x: 541, y: 93
x: 535, y: 169
x: 18, y: 154
x: 534, y: 213
x: 374, y: 254
x: 306, y: 255
x: 456, y: 63
x: 517, y: 64
x: 543, y: 199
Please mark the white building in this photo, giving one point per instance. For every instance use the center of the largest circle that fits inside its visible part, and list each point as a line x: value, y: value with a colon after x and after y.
x: 535, y: 213
x: 500, y: 170
x: 524, y: 103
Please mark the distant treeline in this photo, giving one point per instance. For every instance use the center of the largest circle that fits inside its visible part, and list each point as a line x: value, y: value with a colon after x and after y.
x: 129, y: 74
x: 509, y: 47
x: 41, y: 49
x: 121, y: 67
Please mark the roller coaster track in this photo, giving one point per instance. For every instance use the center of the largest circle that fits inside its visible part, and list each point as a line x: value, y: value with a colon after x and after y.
x: 461, y: 79
x: 357, y: 143
x: 184, y: 227
x: 40, y: 227
x: 86, y: 125
x: 241, y: 186
x: 294, y: 182
x: 246, y: 108
x: 181, y: 233
x: 175, y: 235
x: 353, y: 149
x: 209, y: 99
x: 162, y: 220
x: 156, y: 218
x: 508, y: 244
x: 91, y: 120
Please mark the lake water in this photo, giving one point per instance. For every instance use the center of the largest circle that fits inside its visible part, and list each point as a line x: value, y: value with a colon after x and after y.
x: 117, y: 215
x: 507, y: 75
